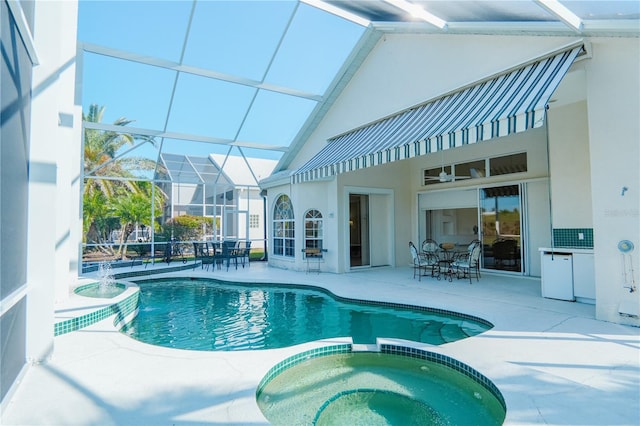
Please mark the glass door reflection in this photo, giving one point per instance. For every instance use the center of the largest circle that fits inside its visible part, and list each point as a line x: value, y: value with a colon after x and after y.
x: 500, y: 211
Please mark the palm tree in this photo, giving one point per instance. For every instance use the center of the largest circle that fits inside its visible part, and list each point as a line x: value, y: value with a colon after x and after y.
x: 109, y: 178
x: 95, y: 213
x: 100, y: 148
x: 133, y: 210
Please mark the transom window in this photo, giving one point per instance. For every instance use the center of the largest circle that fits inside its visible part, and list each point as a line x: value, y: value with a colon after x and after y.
x: 283, y: 228
x: 506, y: 164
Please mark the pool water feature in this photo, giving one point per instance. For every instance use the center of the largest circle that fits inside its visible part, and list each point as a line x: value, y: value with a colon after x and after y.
x: 105, y: 275
x: 105, y: 288
x: 206, y: 314
x: 101, y: 291
x: 405, y: 387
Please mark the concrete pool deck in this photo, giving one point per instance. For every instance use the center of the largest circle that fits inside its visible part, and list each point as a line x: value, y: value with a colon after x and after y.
x: 552, y: 360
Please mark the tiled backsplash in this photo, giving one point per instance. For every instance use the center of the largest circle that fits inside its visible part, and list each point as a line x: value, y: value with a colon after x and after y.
x: 570, y: 237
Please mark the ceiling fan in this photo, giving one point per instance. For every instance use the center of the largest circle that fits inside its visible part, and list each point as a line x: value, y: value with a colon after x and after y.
x: 443, y: 176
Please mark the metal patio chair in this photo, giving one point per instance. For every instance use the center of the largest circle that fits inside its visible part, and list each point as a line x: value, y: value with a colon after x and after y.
x: 466, y: 264
x: 423, y: 262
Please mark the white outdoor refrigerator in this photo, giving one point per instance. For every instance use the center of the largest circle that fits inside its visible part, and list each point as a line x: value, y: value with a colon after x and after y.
x: 557, y: 275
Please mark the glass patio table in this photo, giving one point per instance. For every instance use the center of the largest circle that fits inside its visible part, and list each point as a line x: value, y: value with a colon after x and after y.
x: 447, y: 255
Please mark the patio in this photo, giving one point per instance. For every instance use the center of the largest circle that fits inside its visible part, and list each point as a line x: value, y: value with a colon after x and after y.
x: 553, y: 362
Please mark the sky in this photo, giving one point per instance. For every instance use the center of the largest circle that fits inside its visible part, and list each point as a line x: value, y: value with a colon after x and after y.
x: 235, y: 38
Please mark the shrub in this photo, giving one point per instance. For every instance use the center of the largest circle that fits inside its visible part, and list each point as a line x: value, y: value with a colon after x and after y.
x: 187, y: 228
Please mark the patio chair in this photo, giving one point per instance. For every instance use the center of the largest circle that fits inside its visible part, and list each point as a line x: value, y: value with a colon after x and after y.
x: 168, y: 252
x: 201, y: 252
x: 198, y: 254
x: 141, y: 254
x: 505, y: 253
x: 467, y: 263
x: 230, y: 253
x: 423, y: 262
x: 215, y: 250
x: 243, y: 248
x: 313, y: 256
x: 430, y: 246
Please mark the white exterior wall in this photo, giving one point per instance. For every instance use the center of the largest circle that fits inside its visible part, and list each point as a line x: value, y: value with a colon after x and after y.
x: 69, y: 157
x: 599, y: 136
x: 317, y: 195
x: 394, y: 177
x: 570, y: 166
x: 394, y: 77
x: 613, y: 96
x: 53, y: 146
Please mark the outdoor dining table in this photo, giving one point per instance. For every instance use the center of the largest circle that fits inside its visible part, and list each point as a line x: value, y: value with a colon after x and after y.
x: 447, y: 251
x: 447, y: 255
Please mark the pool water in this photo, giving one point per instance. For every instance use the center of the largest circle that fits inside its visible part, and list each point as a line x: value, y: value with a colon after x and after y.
x: 201, y: 314
x: 101, y: 291
x: 367, y: 388
x: 373, y: 407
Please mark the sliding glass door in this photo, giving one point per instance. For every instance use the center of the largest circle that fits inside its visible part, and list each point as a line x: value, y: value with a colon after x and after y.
x: 501, y: 221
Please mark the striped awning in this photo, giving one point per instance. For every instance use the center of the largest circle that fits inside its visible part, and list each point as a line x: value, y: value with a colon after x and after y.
x: 508, y: 103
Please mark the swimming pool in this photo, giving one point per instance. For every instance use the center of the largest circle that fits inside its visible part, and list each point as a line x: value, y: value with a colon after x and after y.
x: 207, y: 314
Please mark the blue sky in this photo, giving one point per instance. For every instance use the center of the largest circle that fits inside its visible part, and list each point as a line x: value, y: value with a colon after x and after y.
x: 236, y: 38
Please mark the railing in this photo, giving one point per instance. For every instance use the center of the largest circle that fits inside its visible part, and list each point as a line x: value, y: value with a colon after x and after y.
x: 154, y: 252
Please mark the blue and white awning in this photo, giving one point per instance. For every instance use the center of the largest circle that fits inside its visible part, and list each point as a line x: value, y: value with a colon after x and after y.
x: 511, y: 102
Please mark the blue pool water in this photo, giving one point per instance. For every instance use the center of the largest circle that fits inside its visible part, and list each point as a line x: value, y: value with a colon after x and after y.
x: 101, y: 291
x: 201, y: 314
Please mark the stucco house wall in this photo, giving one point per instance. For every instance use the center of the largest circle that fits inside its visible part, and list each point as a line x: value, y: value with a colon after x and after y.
x: 613, y: 100
x: 592, y: 132
x: 570, y: 166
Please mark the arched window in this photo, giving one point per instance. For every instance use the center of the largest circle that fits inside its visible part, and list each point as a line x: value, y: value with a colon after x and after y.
x: 313, y: 229
x: 283, y: 228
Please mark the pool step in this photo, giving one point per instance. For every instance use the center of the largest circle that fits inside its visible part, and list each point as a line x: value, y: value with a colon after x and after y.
x: 452, y: 333
x: 362, y: 347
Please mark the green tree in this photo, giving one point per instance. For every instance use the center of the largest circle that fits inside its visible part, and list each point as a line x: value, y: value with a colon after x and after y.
x: 95, y: 212
x: 134, y: 210
x: 111, y: 183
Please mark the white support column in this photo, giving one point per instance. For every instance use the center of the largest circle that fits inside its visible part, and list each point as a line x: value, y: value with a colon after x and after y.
x: 52, y: 121
x: 69, y: 156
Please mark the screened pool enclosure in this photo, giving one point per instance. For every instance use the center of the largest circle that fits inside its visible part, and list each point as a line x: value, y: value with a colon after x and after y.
x: 186, y: 106
x: 186, y: 199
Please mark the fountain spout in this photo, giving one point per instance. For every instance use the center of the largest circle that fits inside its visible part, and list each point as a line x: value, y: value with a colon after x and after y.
x: 106, y: 279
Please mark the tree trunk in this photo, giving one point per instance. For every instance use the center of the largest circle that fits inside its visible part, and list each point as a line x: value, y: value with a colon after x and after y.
x: 124, y: 237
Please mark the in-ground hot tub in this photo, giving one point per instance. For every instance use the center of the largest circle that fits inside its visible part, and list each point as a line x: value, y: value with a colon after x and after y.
x: 398, y: 385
